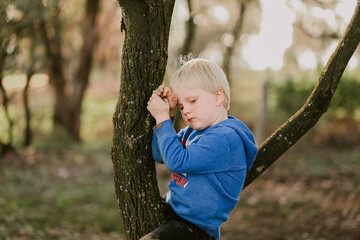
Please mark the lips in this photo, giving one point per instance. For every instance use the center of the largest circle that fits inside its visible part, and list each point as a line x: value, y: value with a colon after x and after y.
x: 190, y: 119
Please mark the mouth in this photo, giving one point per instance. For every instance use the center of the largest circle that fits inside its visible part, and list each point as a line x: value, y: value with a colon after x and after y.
x: 190, y: 119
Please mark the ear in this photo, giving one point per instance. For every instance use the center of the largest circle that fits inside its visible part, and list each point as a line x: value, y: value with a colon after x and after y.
x: 220, y: 97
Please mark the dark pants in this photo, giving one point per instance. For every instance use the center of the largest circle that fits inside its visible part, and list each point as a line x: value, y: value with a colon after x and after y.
x: 177, y: 228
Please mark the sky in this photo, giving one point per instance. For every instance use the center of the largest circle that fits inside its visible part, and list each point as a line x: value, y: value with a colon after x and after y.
x: 266, y: 49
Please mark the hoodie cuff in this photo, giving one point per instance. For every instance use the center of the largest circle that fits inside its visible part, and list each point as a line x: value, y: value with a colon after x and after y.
x: 164, y: 128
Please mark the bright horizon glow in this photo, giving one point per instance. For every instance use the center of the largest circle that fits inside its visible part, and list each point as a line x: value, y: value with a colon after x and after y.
x: 221, y: 14
x: 345, y: 9
x: 325, y: 14
x: 266, y: 49
x: 307, y: 60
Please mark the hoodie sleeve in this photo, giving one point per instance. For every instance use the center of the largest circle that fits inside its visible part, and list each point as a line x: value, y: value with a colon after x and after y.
x: 210, y: 154
x: 155, y: 149
x: 155, y: 146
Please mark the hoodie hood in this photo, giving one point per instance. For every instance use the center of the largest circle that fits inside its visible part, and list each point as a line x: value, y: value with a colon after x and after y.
x: 248, y: 139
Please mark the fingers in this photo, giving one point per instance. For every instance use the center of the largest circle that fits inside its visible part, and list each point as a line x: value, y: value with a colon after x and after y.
x: 160, y: 91
x: 154, y: 97
x: 157, y: 92
x: 167, y: 92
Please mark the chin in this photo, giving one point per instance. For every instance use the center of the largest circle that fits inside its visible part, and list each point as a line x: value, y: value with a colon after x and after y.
x: 198, y: 128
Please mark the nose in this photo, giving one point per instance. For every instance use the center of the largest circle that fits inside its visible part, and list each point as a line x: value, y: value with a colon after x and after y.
x: 185, y: 110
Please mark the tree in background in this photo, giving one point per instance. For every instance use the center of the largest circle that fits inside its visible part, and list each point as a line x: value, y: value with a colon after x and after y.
x: 29, y: 40
x: 146, y: 26
x: 313, y: 34
x: 69, y: 83
x: 10, y: 28
x: 190, y: 32
x: 235, y: 36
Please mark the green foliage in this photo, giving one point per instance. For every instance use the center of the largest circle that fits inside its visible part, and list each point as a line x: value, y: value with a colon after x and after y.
x: 292, y: 94
x: 346, y: 98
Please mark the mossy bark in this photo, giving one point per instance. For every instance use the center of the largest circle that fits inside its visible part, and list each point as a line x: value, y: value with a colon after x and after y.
x: 146, y: 25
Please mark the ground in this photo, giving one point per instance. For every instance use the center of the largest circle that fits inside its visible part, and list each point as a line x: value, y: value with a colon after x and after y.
x: 67, y: 192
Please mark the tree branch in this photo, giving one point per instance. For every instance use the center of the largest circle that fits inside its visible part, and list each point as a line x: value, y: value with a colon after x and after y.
x: 317, y: 104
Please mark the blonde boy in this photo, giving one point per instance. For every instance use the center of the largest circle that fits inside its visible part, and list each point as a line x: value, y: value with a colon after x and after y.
x: 208, y: 159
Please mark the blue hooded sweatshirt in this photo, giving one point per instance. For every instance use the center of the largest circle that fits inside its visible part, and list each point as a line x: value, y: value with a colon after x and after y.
x: 208, y: 169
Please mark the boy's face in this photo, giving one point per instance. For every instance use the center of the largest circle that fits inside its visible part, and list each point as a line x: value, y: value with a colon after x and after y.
x: 199, y: 108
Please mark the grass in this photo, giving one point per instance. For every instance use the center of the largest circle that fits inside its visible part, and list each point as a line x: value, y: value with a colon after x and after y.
x: 58, y: 194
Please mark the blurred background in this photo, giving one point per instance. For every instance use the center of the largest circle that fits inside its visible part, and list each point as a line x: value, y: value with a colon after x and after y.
x: 59, y: 81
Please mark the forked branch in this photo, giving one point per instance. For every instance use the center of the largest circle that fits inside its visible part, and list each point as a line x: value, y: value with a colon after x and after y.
x: 315, y: 106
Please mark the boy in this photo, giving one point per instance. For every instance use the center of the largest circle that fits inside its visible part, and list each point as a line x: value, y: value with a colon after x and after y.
x: 208, y: 159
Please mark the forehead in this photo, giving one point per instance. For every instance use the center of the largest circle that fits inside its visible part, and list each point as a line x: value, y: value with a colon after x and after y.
x: 183, y: 93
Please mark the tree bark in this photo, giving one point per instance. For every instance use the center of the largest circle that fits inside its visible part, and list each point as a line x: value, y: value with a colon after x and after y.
x: 146, y: 25
x: 315, y: 106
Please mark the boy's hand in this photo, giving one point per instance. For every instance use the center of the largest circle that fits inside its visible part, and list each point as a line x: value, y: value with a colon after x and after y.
x: 165, y: 92
x: 159, y: 108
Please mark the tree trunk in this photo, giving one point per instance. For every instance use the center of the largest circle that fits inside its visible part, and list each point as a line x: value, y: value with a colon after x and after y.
x: 190, y: 32
x: 260, y: 126
x: 236, y: 33
x: 146, y: 25
x: 29, y: 73
x: 67, y: 109
x: 81, y: 81
x: 53, y: 48
x: 27, y: 131
x: 315, y: 106
x: 5, y: 100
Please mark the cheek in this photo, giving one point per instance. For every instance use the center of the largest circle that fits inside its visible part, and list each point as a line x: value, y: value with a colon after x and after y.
x: 182, y: 115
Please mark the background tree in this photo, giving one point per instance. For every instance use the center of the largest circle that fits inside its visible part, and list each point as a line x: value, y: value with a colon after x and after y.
x: 143, y: 66
x: 235, y: 36
x: 190, y: 31
x: 312, y: 33
x: 9, y: 41
x: 20, y: 41
x: 30, y: 42
x: 70, y: 83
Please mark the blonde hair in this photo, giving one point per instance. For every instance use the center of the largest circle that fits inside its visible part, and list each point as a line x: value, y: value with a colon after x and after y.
x: 203, y: 74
